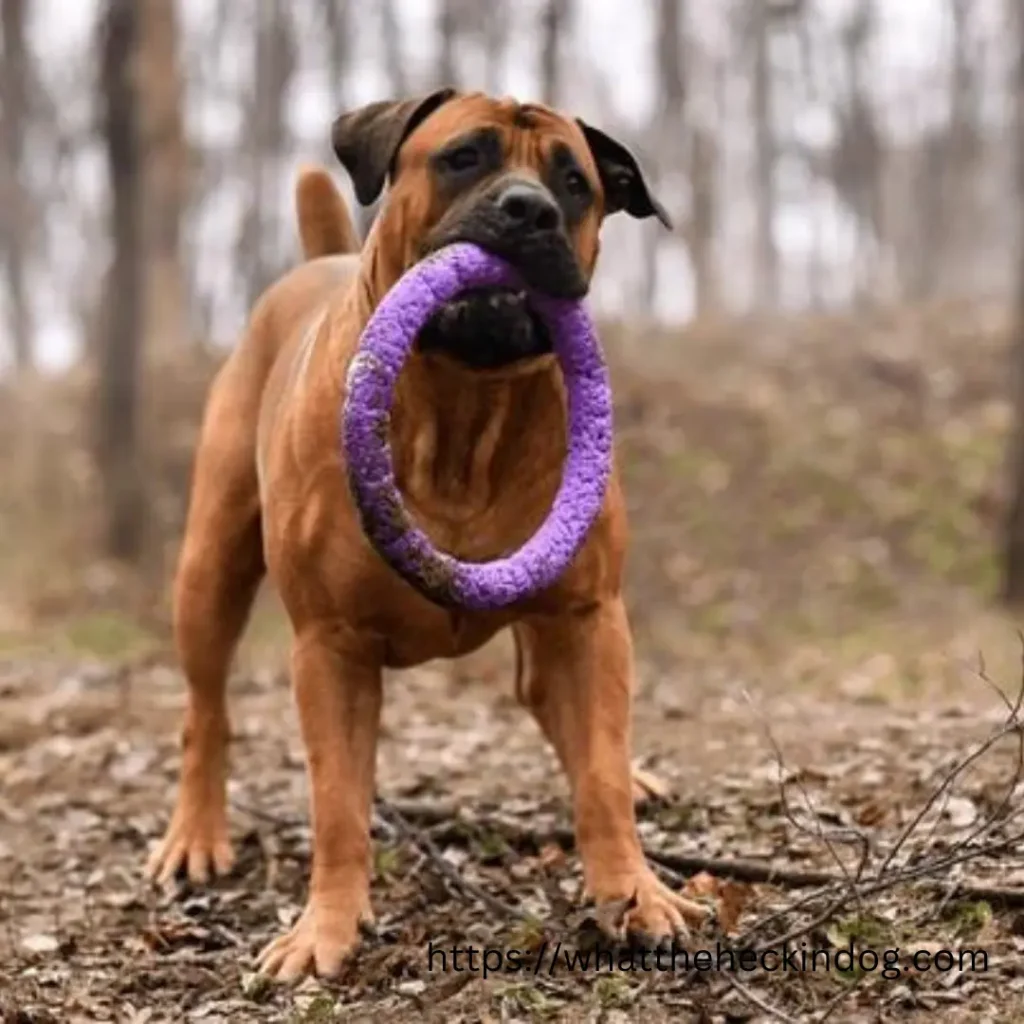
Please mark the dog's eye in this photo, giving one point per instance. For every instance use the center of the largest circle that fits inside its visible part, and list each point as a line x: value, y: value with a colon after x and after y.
x: 576, y: 184
x: 465, y: 158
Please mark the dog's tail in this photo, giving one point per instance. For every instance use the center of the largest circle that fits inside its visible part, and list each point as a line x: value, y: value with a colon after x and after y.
x: 325, y: 224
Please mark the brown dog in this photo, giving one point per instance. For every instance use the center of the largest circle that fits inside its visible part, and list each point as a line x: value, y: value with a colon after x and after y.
x: 478, y: 439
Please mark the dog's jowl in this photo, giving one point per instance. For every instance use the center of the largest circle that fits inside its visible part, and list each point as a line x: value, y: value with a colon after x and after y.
x: 478, y: 442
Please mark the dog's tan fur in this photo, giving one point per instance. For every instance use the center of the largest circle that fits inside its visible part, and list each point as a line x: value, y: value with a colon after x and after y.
x: 478, y: 456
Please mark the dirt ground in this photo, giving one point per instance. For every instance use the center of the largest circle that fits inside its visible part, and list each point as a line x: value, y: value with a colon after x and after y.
x: 813, y: 516
x: 88, y: 755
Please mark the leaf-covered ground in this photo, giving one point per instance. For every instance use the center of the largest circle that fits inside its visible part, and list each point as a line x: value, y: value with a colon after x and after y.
x: 87, y: 758
x: 814, y: 512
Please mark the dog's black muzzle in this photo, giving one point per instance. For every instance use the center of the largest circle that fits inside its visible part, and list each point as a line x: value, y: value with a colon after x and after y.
x: 520, y: 221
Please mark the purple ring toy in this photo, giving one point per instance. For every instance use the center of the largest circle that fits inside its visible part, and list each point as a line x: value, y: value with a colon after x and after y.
x: 365, y: 421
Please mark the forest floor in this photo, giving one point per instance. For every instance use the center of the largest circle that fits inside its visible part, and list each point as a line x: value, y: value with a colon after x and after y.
x: 88, y: 757
x: 819, y: 677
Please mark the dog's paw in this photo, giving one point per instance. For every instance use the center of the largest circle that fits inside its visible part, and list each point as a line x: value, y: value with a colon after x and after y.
x: 196, y: 843
x: 648, y: 910
x: 321, y: 939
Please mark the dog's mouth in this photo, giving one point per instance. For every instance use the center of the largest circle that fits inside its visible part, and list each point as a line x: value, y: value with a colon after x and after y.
x: 486, y: 329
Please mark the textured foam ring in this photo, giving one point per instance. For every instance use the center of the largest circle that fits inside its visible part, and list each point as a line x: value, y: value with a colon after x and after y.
x: 365, y: 420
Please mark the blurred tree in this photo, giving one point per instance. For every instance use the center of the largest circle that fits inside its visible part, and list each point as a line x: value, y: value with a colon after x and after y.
x: 337, y: 17
x: 119, y: 354
x: 486, y: 27
x: 259, y: 249
x: 165, y: 175
x: 702, y: 224
x: 16, y: 203
x: 447, y: 31
x: 965, y: 139
x: 494, y: 39
x: 947, y: 158
x: 681, y: 143
x: 856, y: 157
x: 1013, y: 538
x: 555, y: 17
x: 394, y: 61
x: 669, y: 124
x: 760, y: 15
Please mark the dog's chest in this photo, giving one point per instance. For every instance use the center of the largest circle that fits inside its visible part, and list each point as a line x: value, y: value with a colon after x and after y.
x: 448, y: 634
x: 478, y: 467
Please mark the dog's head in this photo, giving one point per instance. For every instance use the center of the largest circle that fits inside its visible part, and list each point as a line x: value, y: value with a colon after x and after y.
x: 519, y: 180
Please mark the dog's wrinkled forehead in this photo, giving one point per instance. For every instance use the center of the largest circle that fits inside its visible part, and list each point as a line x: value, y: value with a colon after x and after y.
x: 527, y: 134
x: 401, y: 140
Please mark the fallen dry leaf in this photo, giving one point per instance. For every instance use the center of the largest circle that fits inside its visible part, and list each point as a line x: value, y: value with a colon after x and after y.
x: 701, y: 884
x: 733, y: 899
x: 647, y: 786
x: 871, y: 814
x: 551, y: 856
x: 730, y: 898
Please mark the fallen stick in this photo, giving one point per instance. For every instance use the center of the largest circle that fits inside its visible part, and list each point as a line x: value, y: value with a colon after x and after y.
x: 448, y: 824
x: 734, y: 869
x: 393, y: 816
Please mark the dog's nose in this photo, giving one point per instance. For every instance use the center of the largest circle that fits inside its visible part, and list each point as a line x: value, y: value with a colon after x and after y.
x: 529, y: 209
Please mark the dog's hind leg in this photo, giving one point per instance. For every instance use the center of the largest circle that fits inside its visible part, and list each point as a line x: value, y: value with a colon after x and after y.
x: 219, y: 571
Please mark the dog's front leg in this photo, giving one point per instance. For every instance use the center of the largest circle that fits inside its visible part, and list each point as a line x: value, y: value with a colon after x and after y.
x: 578, y: 683
x: 338, y: 694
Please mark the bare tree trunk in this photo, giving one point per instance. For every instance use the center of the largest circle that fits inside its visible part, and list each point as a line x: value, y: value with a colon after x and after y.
x: 767, y: 265
x: 671, y: 73
x: 273, y: 65
x: 394, y: 62
x: 930, y: 218
x: 667, y: 141
x: 964, y: 132
x: 337, y: 16
x: 338, y: 21
x: 648, y: 292
x: 447, y: 29
x: 1013, y: 537
x: 165, y: 176
x: 857, y: 155
x: 680, y: 141
x: 117, y: 412
x: 15, y: 199
x: 946, y: 158
x: 495, y: 44
x: 554, y: 20
x: 703, y: 217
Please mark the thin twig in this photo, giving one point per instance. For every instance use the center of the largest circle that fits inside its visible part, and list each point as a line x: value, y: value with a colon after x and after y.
x: 1011, y: 897
x: 1009, y: 728
x: 819, y: 832
x: 1001, y: 811
x: 425, y: 844
x: 271, y: 818
x: 836, y: 1001
x: 754, y: 999
x: 735, y: 869
x: 449, y: 824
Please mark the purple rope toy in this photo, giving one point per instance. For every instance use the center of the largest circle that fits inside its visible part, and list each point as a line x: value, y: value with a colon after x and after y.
x: 365, y: 421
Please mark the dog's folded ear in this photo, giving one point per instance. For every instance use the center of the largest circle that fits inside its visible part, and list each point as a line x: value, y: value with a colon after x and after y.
x: 621, y: 177
x: 367, y: 140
